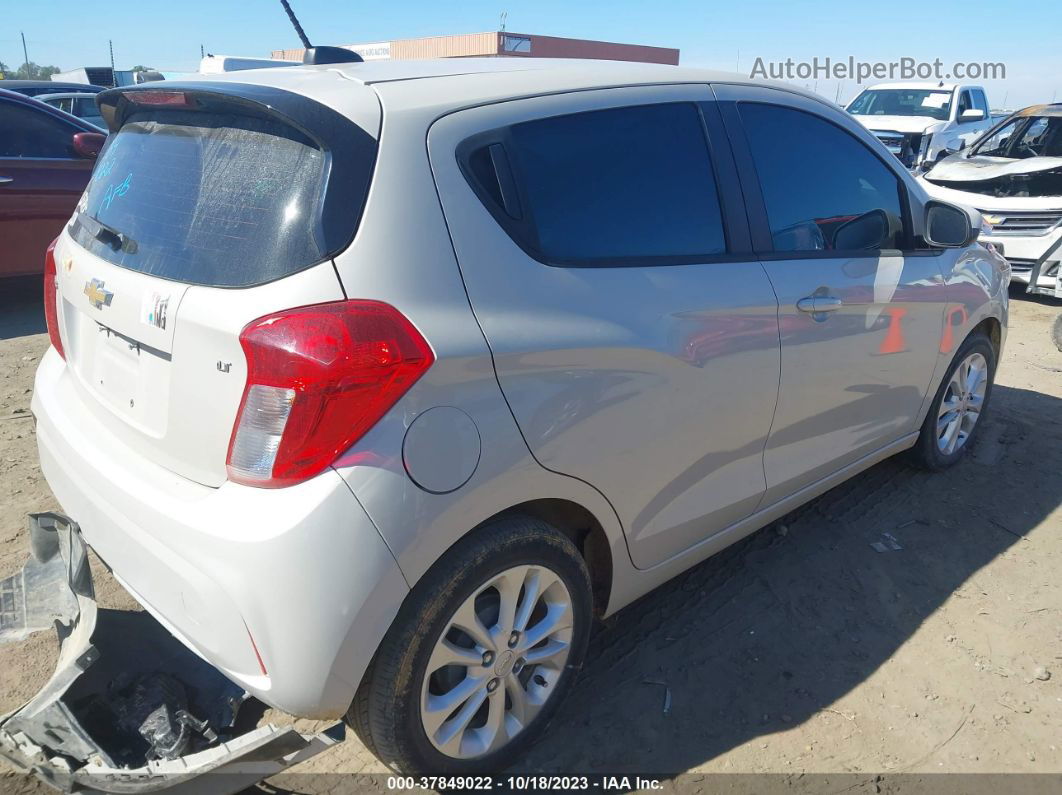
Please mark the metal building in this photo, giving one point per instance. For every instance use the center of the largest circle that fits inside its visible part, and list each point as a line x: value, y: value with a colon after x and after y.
x: 503, y: 43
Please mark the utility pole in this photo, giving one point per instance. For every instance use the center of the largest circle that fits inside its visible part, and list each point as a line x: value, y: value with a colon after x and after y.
x: 202, y: 52
x: 25, y: 55
x: 114, y: 79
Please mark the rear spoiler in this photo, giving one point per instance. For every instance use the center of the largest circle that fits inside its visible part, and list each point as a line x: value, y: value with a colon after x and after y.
x: 129, y: 709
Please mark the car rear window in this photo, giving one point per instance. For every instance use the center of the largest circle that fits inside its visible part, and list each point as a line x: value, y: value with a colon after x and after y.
x: 210, y: 199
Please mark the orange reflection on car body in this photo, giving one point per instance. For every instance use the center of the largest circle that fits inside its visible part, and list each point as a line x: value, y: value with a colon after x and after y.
x: 894, y: 341
x: 956, y: 317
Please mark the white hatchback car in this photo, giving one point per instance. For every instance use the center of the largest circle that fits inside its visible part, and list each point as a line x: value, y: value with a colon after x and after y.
x: 375, y: 382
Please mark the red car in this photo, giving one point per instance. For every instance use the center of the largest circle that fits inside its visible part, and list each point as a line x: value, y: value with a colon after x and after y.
x: 46, y: 159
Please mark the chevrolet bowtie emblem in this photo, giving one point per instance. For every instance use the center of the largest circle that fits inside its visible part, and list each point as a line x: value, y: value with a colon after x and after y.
x: 98, y: 296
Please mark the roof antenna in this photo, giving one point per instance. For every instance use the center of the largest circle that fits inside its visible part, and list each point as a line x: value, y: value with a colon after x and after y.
x: 319, y: 55
x: 296, y: 25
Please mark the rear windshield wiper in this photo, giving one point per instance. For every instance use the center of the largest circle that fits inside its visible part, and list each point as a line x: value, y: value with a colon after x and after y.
x: 112, y: 237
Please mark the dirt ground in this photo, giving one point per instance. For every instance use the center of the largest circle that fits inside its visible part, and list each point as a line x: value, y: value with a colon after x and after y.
x: 799, y: 650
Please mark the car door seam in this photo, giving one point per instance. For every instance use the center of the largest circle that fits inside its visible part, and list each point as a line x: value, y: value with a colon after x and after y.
x: 778, y: 391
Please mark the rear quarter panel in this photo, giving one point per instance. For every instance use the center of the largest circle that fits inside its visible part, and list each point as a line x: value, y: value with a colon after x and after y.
x: 403, y: 256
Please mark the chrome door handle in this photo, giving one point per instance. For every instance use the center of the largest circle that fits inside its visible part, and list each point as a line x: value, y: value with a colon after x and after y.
x: 819, y: 303
x: 4, y: 180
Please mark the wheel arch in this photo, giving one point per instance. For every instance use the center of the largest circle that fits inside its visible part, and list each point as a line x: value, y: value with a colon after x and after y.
x: 585, y: 531
x: 993, y: 329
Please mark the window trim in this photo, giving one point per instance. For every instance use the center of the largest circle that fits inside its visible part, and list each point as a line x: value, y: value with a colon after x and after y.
x: 522, y: 230
x: 759, y: 222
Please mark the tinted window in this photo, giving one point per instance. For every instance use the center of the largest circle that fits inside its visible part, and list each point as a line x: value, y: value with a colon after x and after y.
x: 980, y: 102
x: 216, y: 199
x: 29, y: 132
x: 83, y: 106
x: 618, y: 184
x: 816, y: 178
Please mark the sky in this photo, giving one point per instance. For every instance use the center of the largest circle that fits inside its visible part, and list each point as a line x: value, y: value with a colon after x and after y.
x: 716, y: 35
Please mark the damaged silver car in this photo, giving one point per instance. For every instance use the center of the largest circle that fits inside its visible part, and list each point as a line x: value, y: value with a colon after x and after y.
x: 1013, y: 176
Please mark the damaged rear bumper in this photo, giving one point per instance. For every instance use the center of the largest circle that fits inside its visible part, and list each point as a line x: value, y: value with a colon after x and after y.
x: 129, y: 708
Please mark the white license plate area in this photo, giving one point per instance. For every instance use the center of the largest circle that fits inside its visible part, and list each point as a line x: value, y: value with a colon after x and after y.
x: 130, y: 380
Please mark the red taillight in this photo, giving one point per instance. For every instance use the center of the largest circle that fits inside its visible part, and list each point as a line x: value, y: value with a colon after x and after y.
x: 51, y: 315
x: 318, y: 378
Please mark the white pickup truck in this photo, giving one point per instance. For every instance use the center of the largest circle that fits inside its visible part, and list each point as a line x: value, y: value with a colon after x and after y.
x: 923, y: 122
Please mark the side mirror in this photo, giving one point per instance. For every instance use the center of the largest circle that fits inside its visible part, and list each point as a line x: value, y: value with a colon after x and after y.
x: 948, y: 226
x: 867, y: 231
x: 972, y: 114
x: 89, y: 144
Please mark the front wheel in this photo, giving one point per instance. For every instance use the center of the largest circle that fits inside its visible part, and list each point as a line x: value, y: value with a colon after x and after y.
x: 949, y: 428
x: 481, y: 654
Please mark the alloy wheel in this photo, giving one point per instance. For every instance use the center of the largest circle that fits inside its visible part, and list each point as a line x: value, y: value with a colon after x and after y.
x: 497, y: 662
x: 961, y: 405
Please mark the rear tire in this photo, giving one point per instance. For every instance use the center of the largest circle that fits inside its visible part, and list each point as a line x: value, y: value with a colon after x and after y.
x: 440, y: 699
x: 958, y: 407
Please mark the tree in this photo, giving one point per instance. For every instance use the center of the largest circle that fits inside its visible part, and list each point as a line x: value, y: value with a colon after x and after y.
x: 139, y: 68
x: 3, y: 69
x: 31, y: 71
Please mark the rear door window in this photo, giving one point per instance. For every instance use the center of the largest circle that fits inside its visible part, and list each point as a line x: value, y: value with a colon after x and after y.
x: 630, y: 185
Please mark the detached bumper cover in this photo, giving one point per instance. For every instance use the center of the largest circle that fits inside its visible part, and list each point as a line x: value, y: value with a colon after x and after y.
x: 128, y: 709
